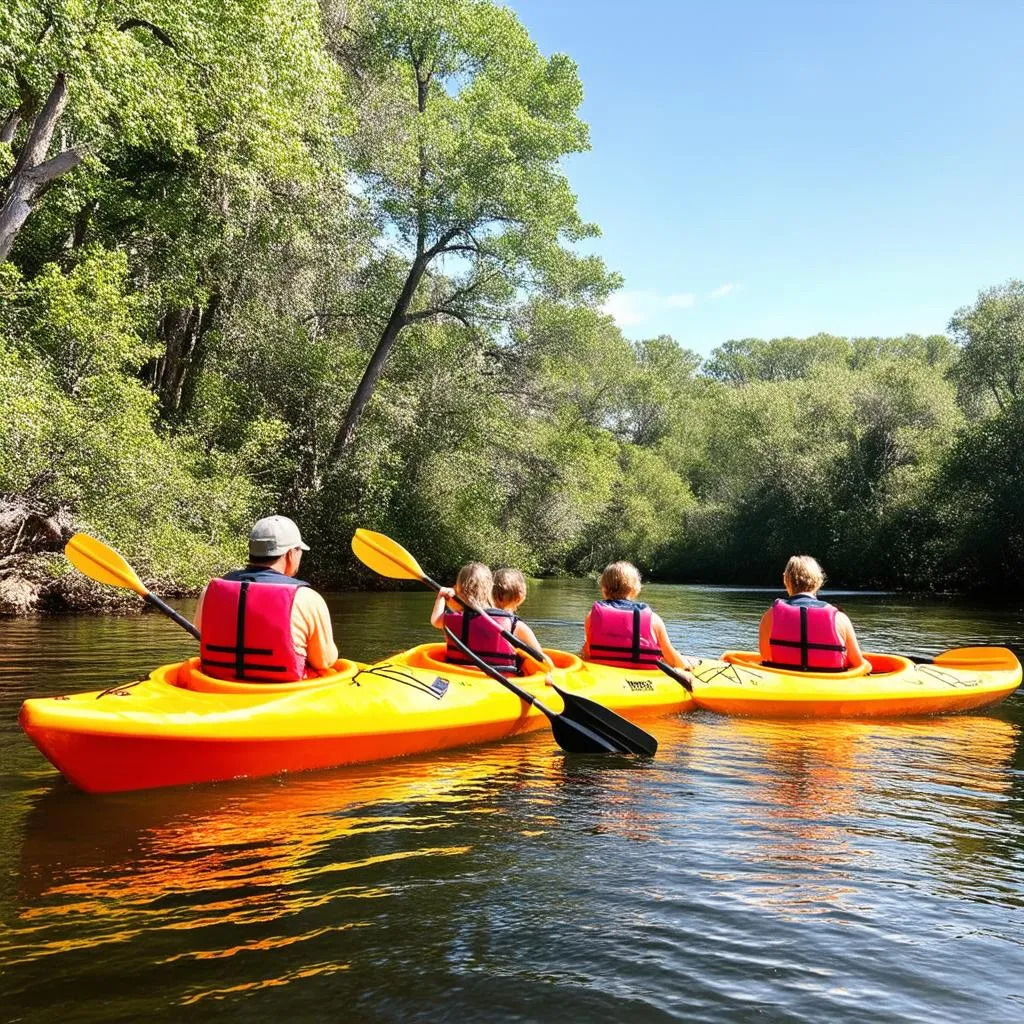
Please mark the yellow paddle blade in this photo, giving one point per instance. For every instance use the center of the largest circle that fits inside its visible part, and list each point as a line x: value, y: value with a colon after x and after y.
x: 384, y: 556
x: 982, y: 659
x: 94, y: 559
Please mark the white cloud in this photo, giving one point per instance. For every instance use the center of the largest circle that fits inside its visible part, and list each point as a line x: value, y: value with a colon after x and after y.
x: 630, y: 308
x: 722, y: 290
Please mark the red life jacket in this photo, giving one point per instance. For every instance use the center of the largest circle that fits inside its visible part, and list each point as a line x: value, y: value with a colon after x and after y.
x: 804, y: 636
x: 621, y: 634
x: 246, y: 630
x: 483, y: 639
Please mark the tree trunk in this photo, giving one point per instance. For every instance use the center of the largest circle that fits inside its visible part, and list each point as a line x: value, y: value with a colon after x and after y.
x: 184, y: 332
x: 32, y: 171
x: 364, y: 392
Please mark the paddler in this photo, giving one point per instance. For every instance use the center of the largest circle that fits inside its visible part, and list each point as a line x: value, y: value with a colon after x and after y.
x: 804, y: 633
x: 620, y: 630
x: 474, y: 585
x: 261, y: 624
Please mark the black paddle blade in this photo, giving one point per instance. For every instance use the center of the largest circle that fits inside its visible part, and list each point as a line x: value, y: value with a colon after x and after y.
x: 621, y: 735
x: 574, y: 738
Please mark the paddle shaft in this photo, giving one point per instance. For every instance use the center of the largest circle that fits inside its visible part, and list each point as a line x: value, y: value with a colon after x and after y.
x: 498, y: 677
x: 676, y: 675
x: 538, y: 656
x: 156, y: 602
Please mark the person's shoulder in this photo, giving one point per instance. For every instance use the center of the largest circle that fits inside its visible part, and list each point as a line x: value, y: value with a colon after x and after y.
x: 307, y: 597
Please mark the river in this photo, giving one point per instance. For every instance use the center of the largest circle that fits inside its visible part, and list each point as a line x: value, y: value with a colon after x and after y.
x: 788, y: 871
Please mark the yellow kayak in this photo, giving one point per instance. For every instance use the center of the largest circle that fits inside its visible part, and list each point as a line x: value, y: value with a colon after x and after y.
x: 180, y: 726
x: 962, y: 679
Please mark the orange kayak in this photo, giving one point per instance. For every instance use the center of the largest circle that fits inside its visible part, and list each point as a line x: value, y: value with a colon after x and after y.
x: 180, y: 726
x: 888, y: 686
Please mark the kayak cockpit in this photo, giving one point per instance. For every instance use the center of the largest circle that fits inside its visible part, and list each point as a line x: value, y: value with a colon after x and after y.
x: 188, y: 676
x: 875, y: 665
x: 432, y: 657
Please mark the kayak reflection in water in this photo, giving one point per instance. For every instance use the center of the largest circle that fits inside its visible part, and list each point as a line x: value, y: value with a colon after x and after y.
x: 261, y: 624
x: 804, y: 633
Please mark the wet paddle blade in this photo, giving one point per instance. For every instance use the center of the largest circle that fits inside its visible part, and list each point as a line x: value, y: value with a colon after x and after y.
x: 99, y: 562
x: 982, y: 659
x: 384, y: 556
x: 575, y: 738
x: 596, y: 718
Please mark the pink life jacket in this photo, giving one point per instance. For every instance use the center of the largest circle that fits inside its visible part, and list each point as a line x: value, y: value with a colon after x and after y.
x: 483, y: 640
x: 246, y: 632
x: 804, y: 636
x: 621, y: 634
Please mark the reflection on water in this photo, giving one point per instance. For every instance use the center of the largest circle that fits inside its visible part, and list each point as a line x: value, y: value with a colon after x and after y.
x: 770, y: 870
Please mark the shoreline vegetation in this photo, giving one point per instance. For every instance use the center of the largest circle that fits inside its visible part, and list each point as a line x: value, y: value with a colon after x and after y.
x: 321, y: 259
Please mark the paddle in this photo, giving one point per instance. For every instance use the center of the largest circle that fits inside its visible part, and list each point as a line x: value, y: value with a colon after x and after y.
x: 583, y: 727
x: 94, y: 559
x: 388, y: 558
x: 673, y: 673
x: 979, y: 659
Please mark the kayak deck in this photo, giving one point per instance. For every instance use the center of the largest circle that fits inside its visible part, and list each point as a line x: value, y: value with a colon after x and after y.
x: 739, y: 684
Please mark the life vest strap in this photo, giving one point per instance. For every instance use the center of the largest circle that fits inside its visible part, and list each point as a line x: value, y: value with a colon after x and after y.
x: 251, y: 665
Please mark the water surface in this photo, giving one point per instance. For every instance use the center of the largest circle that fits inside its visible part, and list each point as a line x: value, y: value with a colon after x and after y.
x: 753, y: 871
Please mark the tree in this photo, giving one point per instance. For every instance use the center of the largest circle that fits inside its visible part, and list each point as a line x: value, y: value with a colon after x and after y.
x: 465, y: 179
x: 991, y: 337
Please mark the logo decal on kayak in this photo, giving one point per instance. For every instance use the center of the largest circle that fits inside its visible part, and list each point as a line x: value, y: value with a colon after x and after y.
x: 439, y: 686
x: 639, y: 684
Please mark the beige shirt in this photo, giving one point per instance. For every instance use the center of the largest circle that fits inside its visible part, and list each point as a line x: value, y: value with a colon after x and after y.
x: 311, y: 628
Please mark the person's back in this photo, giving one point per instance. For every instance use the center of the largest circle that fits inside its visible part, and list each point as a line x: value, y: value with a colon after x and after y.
x: 261, y: 623
x: 479, y: 632
x: 621, y: 631
x: 803, y: 633
x: 509, y: 593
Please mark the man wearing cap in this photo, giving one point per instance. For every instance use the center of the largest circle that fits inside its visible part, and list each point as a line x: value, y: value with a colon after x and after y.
x: 260, y: 624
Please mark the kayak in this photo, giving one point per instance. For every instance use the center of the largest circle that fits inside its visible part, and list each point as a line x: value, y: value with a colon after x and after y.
x: 180, y: 726
x: 888, y: 686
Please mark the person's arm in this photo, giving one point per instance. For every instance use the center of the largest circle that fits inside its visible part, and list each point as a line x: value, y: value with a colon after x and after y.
x: 764, y: 634
x: 440, y: 607
x: 197, y: 619
x: 845, y: 629
x: 524, y: 633
x: 668, y: 652
x: 585, y: 653
x: 321, y: 650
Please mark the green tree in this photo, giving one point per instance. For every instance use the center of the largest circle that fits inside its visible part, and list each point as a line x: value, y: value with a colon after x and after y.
x: 465, y: 179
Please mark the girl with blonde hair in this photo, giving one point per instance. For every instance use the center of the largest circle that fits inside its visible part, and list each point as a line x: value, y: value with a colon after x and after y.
x: 619, y: 630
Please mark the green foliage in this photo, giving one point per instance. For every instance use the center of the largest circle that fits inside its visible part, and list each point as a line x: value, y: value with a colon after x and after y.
x: 188, y: 314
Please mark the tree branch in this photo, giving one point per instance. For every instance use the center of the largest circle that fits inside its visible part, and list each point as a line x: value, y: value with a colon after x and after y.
x: 160, y: 34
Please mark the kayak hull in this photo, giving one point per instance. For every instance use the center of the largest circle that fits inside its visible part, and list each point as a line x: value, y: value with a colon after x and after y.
x: 179, y: 727
x: 896, y: 687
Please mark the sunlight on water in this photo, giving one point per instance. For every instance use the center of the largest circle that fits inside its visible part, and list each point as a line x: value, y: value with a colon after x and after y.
x: 801, y: 871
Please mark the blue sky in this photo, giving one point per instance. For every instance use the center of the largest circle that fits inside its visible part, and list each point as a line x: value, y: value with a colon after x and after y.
x: 762, y: 169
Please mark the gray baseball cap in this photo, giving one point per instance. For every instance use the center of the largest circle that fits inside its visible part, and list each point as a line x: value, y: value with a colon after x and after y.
x: 274, y: 536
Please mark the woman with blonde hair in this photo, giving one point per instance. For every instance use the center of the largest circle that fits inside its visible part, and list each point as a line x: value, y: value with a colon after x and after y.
x: 804, y: 633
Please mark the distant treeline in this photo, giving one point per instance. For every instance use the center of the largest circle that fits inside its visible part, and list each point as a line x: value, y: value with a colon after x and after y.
x: 319, y: 258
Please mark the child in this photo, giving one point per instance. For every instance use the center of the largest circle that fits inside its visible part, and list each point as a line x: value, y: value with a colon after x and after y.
x: 509, y: 594
x: 475, y: 585
x: 622, y: 631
